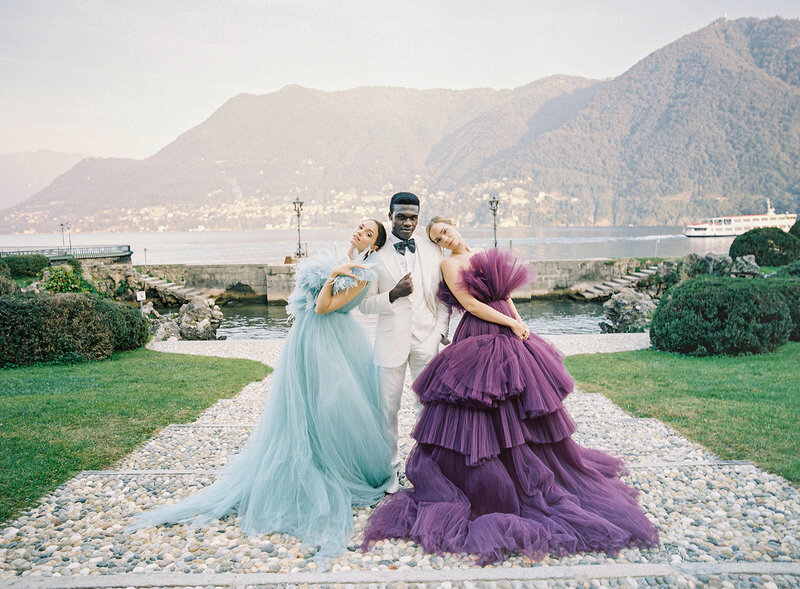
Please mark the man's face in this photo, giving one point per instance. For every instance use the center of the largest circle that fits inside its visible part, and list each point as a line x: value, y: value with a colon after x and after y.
x: 404, y: 220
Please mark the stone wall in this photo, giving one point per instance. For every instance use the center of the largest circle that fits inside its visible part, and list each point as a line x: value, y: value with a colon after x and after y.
x: 558, y: 277
x: 170, y: 272
x: 274, y: 283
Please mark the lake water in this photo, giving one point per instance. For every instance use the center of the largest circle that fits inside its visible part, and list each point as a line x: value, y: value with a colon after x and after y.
x: 259, y: 247
x: 545, y: 317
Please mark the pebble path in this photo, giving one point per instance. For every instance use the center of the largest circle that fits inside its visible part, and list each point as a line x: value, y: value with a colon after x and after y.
x: 722, y: 524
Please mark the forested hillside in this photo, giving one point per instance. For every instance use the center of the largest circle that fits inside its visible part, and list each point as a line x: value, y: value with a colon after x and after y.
x: 709, y: 124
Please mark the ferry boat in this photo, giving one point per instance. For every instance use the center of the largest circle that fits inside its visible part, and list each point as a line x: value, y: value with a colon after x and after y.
x: 738, y: 224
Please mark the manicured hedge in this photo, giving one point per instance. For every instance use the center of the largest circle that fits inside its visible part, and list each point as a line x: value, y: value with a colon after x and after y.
x: 789, y: 289
x: 795, y: 230
x: 68, y: 327
x: 128, y: 329
x: 711, y: 315
x: 26, y: 266
x: 788, y: 271
x: 771, y: 246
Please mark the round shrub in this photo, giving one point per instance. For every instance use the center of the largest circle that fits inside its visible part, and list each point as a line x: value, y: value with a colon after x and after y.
x: 711, y: 315
x: 129, y: 330
x: 68, y: 327
x: 771, y: 246
x: 789, y: 290
x: 51, y: 328
x: 788, y: 271
x: 26, y: 266
x: 795, y: 230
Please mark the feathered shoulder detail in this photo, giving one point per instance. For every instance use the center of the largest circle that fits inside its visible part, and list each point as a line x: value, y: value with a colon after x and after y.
x: 312, y: 273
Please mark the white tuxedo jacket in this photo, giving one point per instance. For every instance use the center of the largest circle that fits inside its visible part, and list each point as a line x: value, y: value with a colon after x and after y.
x: 396, y: 320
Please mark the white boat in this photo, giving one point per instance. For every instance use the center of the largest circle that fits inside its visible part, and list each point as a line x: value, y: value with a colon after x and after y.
x: 738, y: 224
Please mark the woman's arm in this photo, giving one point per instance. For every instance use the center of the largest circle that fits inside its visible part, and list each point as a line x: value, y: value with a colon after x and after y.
x: 514, y: 309
x: 526, y: 329
x: 450, y: 270
x: 328, y: 302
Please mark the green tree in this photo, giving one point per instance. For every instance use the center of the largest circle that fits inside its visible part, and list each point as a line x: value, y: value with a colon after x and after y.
x: 770, y: 245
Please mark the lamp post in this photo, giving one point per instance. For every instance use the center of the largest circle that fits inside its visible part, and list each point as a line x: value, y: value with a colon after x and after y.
x: 63, y: 243
x: 298, y: 207
x: 69, y: 234
x: 494, y: 203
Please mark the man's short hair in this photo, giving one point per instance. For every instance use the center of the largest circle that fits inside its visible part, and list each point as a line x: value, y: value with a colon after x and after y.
x: 403, y: 198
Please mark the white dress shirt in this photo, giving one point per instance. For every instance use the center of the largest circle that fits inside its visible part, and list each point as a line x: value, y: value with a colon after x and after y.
x: 406, y: 260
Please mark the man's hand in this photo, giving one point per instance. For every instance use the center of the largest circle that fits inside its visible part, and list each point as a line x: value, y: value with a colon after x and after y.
x: 403, y: 288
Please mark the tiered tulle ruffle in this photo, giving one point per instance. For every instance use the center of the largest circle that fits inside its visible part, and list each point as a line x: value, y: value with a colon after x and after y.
x: 492, y: 276
x: 495, y: 469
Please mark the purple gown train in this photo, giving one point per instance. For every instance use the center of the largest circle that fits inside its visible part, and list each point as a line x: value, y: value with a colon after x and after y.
x: 495, y: 470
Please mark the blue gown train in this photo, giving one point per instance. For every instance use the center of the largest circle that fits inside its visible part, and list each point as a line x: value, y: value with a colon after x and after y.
x: 320, y: 447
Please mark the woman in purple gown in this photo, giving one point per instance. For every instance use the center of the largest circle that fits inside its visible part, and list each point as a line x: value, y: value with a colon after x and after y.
x: 495, y: 470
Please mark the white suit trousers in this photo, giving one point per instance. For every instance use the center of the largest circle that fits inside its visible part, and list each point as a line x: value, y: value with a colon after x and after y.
x: 392, y: 379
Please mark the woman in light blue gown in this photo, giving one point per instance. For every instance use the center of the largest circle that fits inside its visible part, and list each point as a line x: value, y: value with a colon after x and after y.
x: 321, y: 446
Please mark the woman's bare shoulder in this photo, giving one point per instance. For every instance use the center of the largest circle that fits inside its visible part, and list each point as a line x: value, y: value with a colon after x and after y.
x: 455, y: 263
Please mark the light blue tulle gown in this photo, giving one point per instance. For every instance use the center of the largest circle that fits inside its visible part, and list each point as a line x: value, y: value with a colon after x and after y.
x: 321, y: 446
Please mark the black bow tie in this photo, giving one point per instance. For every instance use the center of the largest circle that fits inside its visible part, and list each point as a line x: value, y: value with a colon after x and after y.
x: 401, y: 246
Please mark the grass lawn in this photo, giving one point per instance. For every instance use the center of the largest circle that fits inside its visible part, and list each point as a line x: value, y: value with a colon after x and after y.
x: 742, y: 408
x: 57, y: 420
x: 769, y: 269
x: 25, y: 281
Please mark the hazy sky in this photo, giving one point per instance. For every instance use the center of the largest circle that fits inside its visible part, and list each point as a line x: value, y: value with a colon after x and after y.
x: 125, y: 77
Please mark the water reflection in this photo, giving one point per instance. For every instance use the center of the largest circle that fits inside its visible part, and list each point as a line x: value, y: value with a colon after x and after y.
x: 248, y: 321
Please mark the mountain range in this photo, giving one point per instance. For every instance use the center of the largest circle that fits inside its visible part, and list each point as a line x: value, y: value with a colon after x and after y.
x: 709, y: 124
x: 26, y: 173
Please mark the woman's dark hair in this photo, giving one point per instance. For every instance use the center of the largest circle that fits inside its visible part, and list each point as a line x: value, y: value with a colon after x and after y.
x: 403, y: 198
x: 381, y: 238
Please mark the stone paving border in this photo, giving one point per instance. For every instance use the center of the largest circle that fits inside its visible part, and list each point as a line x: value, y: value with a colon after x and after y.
x: 198, y: 471
x: 253, y: 349
x: 536, y: 573
x: 251, y: 425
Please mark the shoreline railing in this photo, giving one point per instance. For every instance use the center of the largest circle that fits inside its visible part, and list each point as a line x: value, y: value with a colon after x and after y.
x: 82, y: 252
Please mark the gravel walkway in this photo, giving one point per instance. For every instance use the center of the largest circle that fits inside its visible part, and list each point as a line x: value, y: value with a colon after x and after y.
x: 722, y: 524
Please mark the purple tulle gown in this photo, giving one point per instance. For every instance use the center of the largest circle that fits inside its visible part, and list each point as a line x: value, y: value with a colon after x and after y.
x: 495, y: 470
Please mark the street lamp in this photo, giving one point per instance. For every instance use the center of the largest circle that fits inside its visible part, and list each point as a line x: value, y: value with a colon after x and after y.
x: 298, y: 207
x: 494, y: 203
x: 67, y: 227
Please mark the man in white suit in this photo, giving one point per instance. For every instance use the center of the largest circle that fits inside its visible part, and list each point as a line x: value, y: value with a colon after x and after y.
x: 411, y: 320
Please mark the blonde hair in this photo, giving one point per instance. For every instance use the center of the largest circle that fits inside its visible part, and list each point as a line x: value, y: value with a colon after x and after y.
x: 435, y: 220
